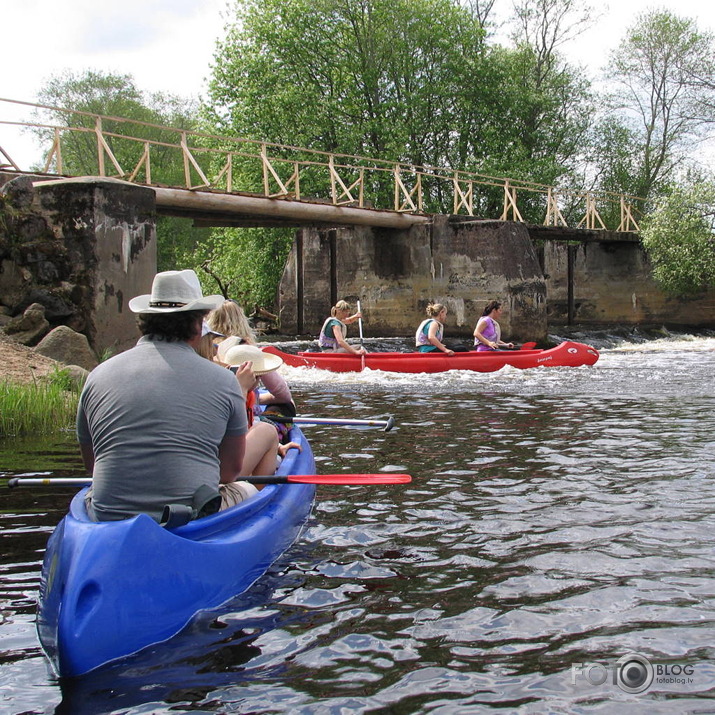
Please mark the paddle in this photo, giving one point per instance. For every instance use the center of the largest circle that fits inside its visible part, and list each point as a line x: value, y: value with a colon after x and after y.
x: 387, y: 424
x: 523, y: 346
x: 272, y: 479
x: 362, y: 356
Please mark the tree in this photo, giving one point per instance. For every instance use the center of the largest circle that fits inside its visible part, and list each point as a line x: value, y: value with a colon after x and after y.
x: 362, y: 77
x: 678, y: 236
x: 373, y: 78
x: 664, y: 72
x: 116, y: 95
x: 244, y: 264
x: 540, y: 107
x: 412, y: 81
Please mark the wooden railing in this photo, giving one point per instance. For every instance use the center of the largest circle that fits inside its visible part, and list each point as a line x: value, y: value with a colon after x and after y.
x: 141, y: 152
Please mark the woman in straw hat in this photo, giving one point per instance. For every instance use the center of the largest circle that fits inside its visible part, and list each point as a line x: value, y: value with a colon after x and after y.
x: 263, y: 440
x: 230, y: 320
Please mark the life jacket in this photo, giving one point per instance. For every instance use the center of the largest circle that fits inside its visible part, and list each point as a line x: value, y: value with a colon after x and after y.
x: 327, y: 340
x: 251, y: 401
x: 421, y: 336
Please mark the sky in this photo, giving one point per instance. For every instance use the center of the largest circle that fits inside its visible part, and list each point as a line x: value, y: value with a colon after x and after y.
x: 168, y: 45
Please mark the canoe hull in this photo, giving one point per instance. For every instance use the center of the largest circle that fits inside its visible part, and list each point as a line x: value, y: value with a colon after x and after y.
x: 110, y: 589
x: 567, y: 354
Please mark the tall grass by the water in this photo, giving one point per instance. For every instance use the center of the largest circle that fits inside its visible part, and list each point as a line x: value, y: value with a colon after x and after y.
x: 40, y: 408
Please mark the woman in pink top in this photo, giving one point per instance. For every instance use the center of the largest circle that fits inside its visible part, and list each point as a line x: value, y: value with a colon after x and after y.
x: 487, y: 334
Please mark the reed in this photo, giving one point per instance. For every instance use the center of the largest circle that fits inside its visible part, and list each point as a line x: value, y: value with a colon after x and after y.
x: 39, y: 408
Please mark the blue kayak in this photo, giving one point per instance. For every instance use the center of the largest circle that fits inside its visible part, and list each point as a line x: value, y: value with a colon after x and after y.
x: 110, y: 589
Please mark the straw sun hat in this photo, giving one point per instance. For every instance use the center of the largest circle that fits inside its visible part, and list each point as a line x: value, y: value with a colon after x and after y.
x: 175, y: 292
x: 262, y: 362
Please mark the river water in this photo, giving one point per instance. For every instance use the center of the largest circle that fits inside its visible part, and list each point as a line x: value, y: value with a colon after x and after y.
x: 558, y: 520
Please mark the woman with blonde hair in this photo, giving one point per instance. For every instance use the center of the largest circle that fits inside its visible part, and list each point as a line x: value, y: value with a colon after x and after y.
x: 335, y: 329
x: 230, y: 319
x: 430, y: 332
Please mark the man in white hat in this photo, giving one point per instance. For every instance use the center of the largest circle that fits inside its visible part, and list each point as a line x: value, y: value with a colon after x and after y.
x: 158, y: 425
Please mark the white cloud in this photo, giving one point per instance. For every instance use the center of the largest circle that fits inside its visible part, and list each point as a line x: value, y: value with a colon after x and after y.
x: 166, y: 45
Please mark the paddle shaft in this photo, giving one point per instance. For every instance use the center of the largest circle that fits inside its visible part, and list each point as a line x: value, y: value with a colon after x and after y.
x: 366, y: 479
x: 524, y: 346
x: 359, y: 321
x: 387, y: 424
x: 362, y: 345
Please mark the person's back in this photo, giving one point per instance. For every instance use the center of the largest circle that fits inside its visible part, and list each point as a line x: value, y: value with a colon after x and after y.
x: 158, y: 422
x: 157, y: 414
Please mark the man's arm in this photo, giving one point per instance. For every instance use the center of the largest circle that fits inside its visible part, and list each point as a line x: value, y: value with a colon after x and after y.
x: 230, y: 455
x: 87, y: 453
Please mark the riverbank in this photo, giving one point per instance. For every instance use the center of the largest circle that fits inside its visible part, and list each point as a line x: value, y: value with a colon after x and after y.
x: 22, y: 365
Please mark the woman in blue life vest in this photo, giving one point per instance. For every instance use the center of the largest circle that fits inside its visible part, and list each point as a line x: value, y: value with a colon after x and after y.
x: 335, y: 329
x: 428, y: 337
x: 487, y: 334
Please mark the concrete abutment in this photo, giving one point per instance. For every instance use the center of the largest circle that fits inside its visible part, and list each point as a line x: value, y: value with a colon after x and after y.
x: 83, y: 247
x: 464, y: 264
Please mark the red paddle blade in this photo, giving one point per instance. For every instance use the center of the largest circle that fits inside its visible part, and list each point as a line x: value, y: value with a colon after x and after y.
x: 349, y: 478
x: 528, y: 346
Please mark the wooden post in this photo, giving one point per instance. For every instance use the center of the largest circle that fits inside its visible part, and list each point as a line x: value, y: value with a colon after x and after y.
x: 100, y: 148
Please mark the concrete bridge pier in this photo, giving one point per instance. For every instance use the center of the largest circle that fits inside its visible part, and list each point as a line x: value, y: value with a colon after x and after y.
x: 82, y: 248
x: 395, y: 273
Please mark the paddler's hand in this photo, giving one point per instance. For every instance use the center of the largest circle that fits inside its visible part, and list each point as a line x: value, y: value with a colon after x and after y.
x: 246, y: 379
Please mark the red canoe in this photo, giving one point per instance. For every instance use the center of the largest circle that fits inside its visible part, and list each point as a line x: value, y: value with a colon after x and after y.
x: 567, y: 354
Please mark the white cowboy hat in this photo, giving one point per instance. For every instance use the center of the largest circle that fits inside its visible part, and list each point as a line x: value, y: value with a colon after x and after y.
x: 175, y: 292
x: 262, y: 362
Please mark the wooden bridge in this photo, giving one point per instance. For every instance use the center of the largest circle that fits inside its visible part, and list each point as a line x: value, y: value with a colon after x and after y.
x: 229, y: 181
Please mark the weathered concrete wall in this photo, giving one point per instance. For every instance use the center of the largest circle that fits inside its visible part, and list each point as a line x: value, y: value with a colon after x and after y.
x: 82, y: 248
x: 395, y: 274
x: 613, y: 285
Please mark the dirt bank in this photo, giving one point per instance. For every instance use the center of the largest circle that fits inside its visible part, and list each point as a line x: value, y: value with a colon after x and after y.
x: 20, y: 364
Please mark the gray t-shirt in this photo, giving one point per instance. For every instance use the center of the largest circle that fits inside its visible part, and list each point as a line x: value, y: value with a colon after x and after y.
x: 155, y: 416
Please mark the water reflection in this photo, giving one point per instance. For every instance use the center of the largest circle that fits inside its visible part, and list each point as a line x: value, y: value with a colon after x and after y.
x: 556, y: 517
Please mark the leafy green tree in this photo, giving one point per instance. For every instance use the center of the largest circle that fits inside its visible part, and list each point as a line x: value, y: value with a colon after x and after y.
x: 116, y: 95
x: 243, y: 264
x: 537, y: 125
x: 678, y: 236
x: 664, y: 77
x: 412, y: 81
x: 364, y: 77
x: 546, y: 109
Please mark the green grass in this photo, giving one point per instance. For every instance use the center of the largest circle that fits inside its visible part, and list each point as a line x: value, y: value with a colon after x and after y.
x: 40, y: 408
